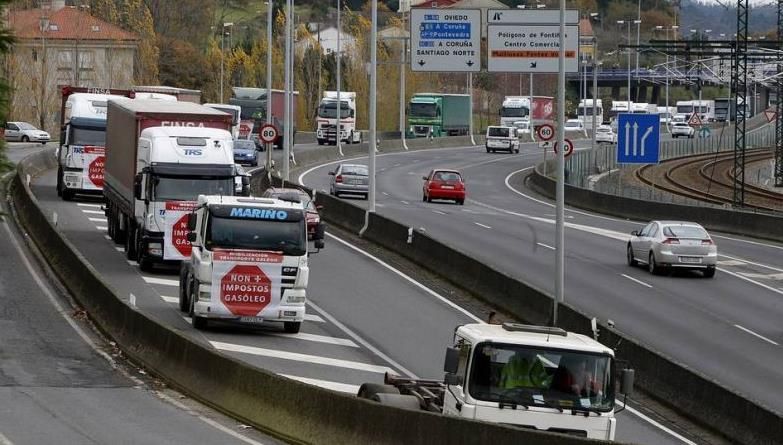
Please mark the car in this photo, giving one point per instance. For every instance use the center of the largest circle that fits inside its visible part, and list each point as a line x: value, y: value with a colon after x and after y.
x: 502, y: 138
x: 574, y: 125
x: 312, y: 214
x: 351, y: 179
x: 24, y: 132
x: 682, y: 129
x: 605, y: 134
x: 245, y: 152
x: 667, y: 245
x: 523, y: 129
x: 444, y: 184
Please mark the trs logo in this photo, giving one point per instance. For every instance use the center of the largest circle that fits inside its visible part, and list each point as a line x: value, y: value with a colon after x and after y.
x: 192, y: 152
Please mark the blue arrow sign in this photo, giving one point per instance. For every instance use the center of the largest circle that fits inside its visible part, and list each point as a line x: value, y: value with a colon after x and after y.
x: 638, y: 138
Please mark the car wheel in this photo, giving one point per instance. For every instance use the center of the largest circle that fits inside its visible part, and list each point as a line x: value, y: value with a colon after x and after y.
x: 291, y: 327
x: 629, y: 254
x: 43, y: 142
x: 488, y: 150
x: 652, y: 266
x: 516, y: 150
x: 709, y: 272
x: 25, y: 139
x: 424, y: 197
x: 67, y: 195
x: 461, y: 202
x: 429, y: 199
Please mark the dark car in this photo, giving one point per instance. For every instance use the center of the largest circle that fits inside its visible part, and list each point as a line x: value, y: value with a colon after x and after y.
x: 311, y: 210
x: 245, y: 152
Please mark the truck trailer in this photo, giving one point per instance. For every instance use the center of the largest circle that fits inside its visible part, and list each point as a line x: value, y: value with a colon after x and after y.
x: 160, y: 157
x: 517, y: 108
x: 436, y: 115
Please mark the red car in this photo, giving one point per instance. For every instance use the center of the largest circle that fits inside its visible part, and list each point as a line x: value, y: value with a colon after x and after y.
x: 311, y: 210
x: 444, y: 184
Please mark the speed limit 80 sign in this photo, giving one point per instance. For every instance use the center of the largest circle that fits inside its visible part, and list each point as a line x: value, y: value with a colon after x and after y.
x: 267, y: 134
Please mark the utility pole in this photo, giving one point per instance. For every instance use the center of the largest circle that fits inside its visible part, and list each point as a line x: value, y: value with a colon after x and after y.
x: 779, y: 107
x: 288, y: 88
x: 740, y: 85
x: 373, y: 99
x: 560, y: 187
x: 269, y: 147
x: 338, y: 131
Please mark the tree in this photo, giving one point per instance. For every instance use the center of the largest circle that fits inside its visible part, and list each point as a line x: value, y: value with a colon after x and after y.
x: 6, y: 40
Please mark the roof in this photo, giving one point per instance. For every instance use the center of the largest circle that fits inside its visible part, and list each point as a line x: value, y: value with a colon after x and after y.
x: 585, y: 29
x: 65, y: 23
x: 164, y: 106
x: 249, y: 201
x: 572, y: 341
x: 195, y: 132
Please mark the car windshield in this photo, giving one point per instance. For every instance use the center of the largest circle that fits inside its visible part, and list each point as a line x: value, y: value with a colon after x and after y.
x: 446, y: 176
x: 497, y: 132
x: 513, y: 112
x: 328, y: 110
x: 356, y: 170
x: 533, y: 376
x: 244, y: 144
x: 187, y: 188
x: 25, y: 126
x: 88, y: 136
x: 685, y: 232
x: 287, y: 236
x: 572, y: 123
x: 423, y: 110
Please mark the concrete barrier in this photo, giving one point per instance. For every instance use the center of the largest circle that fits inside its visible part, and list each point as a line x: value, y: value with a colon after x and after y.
x: 285, y: 408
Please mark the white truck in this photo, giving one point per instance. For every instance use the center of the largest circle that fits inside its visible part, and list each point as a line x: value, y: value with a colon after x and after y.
x: 161, y: 156
x: 327, y: 118
x: 643, y: 108
x: 248, y: 262
x: 82, y: 150
x: 542, y: 378
x: 235, y: 111
x: 585, y: 112
x: 704, y: 109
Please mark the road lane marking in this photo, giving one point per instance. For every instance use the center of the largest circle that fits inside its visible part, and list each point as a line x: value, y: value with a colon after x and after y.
x: 743, y: 260
x: 547, y: 246
x: 131, y: 263
x: 756, y: 335
x: 81, y: 204
x: 334, y: 386
x: 319, y: 339
x: 119, y: 249
x: 297, y: 357
x: 439, y: 212
x: 384, y: 194
x: 730, y: 262
x: 748, y: 241
x: 107, y: 237
x: 94, y: 212
x: 101, y: 220
x: 6, y: 441
x: 405, y: 202
x: 656, y: 424
x: 752, y: 281
x: 636, y: 281
x: 172, y: 300
x: 482, y: 225
x: 161, y: 281
x: 102, y: 228
x: 763, y: 276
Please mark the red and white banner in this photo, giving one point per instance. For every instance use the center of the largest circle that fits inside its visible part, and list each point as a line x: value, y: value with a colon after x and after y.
x: 245, y: 128
x: 246, y: 283
x: 175, y: 232
x: 94, y: 162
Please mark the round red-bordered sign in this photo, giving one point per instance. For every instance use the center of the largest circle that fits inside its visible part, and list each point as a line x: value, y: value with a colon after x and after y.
x: 545, y: 132
x: 267, y: 133
x: 569, y: 147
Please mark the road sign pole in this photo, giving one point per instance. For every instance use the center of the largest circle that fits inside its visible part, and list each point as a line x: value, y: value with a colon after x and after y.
x: 560, y: 189
x: 373, y: 92
x: 287, y: 106
x: 339, y: 84
x: 270, y: 8
x: 470, y: 108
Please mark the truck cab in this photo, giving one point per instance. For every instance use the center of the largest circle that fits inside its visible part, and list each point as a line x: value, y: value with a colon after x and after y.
x: 248, y: 262
x: 327, y: 118
x: 438, y: 114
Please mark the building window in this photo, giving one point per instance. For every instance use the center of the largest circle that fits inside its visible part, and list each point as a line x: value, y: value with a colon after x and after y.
x: 64, y: 59
x: 35, y: 55
x: 86, y: 59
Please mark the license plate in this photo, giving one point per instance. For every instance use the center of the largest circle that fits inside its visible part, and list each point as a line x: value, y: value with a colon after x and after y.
x: 355, y: 181
x: 690, y: 259
x: 450, y: 187
x: 251, y: 319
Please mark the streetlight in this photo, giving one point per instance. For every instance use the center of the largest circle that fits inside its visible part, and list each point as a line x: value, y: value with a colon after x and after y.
x: 269, y: 9
x: 628, y: 22
x: 222, y: 49
x: 43, y: 23
x: 666, y: 30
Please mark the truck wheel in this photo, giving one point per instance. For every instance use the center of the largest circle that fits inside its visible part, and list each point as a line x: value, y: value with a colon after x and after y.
x: 59, y: 181
x: 184, y: 277
x: 399, y: 401
x: 321, y: 142
x: 199, y: 323
x: 130, y: 243
x: 292, y: 327
x: 67, y: 195
x: 371, y: 390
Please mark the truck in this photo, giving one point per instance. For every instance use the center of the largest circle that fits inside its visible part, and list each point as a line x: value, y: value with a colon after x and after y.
x: 585, y: 112
x: 235, y: 275
x: 81, y: 151
x: 537, y: 377
x: 253, y: 116
x: 436, y: 115
x: 517, y: 108
x: 235, y: 111
x: 160, y: 156
x: 687, y: 108
x: 725, y: 109
x: 643, y: 108
x: 180, y: 94
x: 327, y: 118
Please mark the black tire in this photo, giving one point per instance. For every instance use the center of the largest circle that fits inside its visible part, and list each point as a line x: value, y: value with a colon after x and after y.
x: 43, y: 143
x: 629, y: 256
x: 25, y: 139
x: 404, y: 401
x: 487, y: 149
x: 709, y: 272
x: 423, y: 197
x: 461, y: 202
x: 67, y: 195
x: 292, y: 327
x: 429, y: 199
x: 652, y: 266
x: 320, y: 142
x: 371, y: 390
x: 59, y: 182
x: 200, y: 323
x: 184, y: 277
x: 516, y: 150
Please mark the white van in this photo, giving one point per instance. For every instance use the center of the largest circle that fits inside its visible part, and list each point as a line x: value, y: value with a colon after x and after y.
x: 502, y: 138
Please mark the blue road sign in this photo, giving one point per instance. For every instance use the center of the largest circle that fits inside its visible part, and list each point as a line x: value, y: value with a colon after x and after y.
x: 638, y: 138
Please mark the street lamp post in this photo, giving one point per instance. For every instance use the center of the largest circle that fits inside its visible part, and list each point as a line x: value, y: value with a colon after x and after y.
x: 628, y: 22
x: 222, y: 50
x: 338, y: 131
x: 269, y: 10
x: 43, y: 23
x: 666, y: 30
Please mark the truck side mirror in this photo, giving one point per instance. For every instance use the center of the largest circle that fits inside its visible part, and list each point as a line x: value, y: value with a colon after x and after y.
x: 626, y: 381
x: 192, y: 237
x: 451, y: 363
x: 191, y: 221
x: 245, y: 186
x: 137, y: 186
x: 635, y: 233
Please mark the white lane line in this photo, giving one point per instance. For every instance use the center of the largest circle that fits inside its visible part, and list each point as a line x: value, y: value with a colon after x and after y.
x: 81, y: 204
x: 313, y: 317
x: 743, y: 260
x: 763, y: 276
x: 773, y: 246
x: 637, y: 281
x: 172, y: 300
x: 384, y: 194
x: 405, y: 202
x: 100, y: 220
x: 439, y: 212
x: 756, y: 335
x: 408, y: 279
x: 751, y: 281
x: 482, y: 225
x: 107, y: 237
x: 102, y: 228
x: 94, y: 212
x: 396, y: 165
x: 547, y: 246
x: 319, y: 339
x: 297, y: 357
x: 119, y: 248
x: 162, y: 281
x: 730, y: 262
x: 334, y: 386
x: 133, y: 264
x: 6, y: 441
x: 658, y: 425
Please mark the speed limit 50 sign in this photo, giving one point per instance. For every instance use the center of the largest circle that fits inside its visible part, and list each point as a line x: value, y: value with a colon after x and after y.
x: 267, y: 134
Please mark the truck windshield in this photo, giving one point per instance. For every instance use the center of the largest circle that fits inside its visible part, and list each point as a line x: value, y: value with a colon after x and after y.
x: 423, y: 110
x: 513, y: 112
x: 682, y: 109
x: 289, y: 237
x: 187, y: 188
x: 87, y: 136
x: 532, y: 376
x: 329, y: 110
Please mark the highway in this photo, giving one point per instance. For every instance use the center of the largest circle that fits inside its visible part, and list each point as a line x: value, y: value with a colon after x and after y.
x: 364, y: 316
x: 62, y: 383
x: 728, y: 327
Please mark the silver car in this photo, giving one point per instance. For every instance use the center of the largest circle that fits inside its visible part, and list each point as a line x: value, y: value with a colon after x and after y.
x: 24, y: 132
x: 666, y: 245
x: 351, y: 179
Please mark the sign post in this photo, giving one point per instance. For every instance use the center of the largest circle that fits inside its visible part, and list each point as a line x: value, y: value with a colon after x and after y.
x: 447, y: 40
x: 545, y: 133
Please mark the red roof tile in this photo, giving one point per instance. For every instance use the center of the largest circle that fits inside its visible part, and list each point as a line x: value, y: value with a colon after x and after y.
x: 66, y: 23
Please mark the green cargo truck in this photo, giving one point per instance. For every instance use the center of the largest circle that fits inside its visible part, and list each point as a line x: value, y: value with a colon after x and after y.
x: 436, y: 115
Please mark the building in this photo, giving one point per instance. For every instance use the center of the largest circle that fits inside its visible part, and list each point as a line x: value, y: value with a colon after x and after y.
x: 63, y: 45
x: 327, y: 36
x: 586, y: 41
